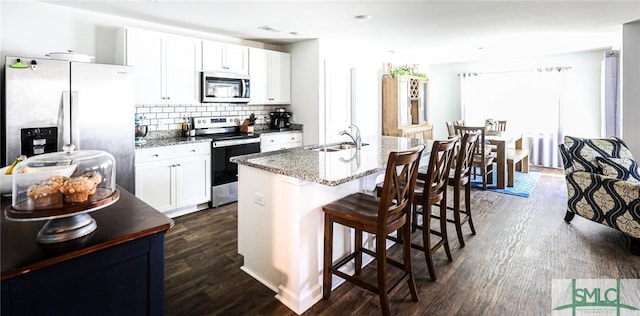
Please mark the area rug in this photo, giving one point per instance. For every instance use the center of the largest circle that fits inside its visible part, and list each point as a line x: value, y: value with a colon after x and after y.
x: 523, y: 186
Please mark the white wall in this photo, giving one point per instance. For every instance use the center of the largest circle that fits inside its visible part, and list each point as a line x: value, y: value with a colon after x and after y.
x: 363, y: 90
x: 305, y: 88
x: 32, y: 29
x: 582, y: 113
x: 631, y: 86
x: 311, y: 91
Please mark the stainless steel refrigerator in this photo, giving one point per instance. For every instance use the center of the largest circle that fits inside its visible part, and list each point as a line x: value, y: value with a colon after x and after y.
x: 91, y: 105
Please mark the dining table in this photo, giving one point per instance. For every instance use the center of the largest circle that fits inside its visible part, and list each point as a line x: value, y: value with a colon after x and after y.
x: 502, y: 140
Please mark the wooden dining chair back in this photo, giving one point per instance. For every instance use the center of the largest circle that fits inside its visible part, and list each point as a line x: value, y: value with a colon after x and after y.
x: 381, y: 217
x: 450, y: 125
x: 431, y: 189
x: 450, y: 129
x: 483, y: 156
x: 501, y: 126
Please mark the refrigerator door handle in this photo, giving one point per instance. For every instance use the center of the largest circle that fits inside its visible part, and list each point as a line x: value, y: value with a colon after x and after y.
x: 66, y: 119
x: 75, y: 124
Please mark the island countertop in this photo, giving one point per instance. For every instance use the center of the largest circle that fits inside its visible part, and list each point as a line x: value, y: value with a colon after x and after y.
x: 332, y: 168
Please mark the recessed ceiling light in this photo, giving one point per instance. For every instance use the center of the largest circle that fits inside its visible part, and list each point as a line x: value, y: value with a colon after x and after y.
x: 363, y: 17
x: 294, y: 33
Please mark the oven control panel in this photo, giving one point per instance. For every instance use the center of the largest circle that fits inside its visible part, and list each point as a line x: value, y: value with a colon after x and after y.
x: 213, y: 122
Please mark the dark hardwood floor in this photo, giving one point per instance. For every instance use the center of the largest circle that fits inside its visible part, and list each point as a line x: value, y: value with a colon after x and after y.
x: 521, y: 245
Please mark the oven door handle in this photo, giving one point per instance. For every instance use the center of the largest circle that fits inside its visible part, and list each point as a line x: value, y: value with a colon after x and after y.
x: 234, y: 142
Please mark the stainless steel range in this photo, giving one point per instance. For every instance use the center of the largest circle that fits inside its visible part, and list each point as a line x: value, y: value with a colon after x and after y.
x: 227, y: 141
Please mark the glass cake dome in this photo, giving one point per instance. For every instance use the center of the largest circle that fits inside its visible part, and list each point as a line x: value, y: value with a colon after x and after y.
x: 63, y: 188
x: 69, y: 180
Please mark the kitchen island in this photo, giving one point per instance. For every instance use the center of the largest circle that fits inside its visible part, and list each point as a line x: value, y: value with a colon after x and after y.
x: 116, y: 270
x: 280, y: 218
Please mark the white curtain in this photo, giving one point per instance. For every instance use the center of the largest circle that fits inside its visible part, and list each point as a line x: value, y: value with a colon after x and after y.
x: 612, y: 121
x: 531, y: 101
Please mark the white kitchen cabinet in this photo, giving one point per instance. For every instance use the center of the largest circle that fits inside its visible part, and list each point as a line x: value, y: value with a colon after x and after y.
x: 270, y: 73
x: 280, y: 140
x: 167, y: 67
x: 174, y: 177
x: 217, y: 56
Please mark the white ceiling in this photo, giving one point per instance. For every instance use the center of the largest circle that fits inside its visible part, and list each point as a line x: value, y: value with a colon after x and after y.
x: 434, y: 31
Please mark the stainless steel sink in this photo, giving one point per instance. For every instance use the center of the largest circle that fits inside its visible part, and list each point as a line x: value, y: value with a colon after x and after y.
x: 325, y: 149
x: 336, y: 147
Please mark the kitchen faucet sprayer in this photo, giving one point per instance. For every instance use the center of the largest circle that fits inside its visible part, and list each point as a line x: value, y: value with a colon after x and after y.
x: 357, y: 139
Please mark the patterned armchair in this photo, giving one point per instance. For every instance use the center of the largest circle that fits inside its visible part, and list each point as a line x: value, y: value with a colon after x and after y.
x: 603, y: 184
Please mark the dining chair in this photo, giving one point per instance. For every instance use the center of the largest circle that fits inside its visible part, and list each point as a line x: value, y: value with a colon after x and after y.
x: 459, y: 179
x: 450, y: 129
x: 379, y: 216
x: 450, y: 125
x: 483, y: 157
x: 501, y: 126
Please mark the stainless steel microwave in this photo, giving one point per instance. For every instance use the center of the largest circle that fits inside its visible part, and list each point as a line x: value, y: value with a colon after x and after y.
x: 225, y: 87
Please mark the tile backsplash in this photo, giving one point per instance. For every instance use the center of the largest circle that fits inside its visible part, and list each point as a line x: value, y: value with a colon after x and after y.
x: 168, y: 117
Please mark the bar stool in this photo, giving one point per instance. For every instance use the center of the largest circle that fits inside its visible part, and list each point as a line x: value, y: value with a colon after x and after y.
x: 431, y: 189
x: 436, y: 174
x: 379, y: 216
x: 460, y: 178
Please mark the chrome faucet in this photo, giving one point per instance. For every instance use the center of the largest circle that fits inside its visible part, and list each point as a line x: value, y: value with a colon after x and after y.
x: 356, y: 140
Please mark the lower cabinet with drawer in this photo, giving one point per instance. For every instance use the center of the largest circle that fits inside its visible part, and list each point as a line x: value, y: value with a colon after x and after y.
x: 281, y: 140
x: 174, y: 177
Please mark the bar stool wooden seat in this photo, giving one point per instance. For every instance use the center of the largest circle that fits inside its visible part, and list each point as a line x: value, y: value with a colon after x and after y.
x: 378, y: 216
x: 460, y: 178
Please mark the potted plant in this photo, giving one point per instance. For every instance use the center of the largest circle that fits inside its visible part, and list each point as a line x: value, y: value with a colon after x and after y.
x: 490, y: 124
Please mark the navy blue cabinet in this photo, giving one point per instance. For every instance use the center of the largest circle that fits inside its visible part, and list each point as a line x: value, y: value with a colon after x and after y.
x: 116, y: 271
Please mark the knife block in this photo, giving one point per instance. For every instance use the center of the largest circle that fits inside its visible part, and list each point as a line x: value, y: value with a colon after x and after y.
x: 245, y: 128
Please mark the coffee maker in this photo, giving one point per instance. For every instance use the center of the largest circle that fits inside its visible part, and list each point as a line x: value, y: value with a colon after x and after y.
x: 280, y: 119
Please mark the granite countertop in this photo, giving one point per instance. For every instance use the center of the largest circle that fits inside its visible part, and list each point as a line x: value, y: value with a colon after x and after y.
x: 284, y: 130
x: 171, y: 141
x: 332, y: 168
x: 181, y: 140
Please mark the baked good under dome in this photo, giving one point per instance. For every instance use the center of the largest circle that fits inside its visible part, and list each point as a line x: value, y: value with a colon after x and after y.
x: 82, y: 179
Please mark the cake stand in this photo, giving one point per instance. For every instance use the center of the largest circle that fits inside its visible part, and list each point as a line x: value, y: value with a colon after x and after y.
x: 67, y: 222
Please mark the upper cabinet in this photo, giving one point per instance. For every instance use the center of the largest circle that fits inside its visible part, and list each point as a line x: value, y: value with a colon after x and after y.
x: 218, y: 56
x: 166, y: 66
x: 270, y: 73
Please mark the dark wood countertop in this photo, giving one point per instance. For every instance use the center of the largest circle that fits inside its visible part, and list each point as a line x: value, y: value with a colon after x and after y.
x: 127, y: 219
